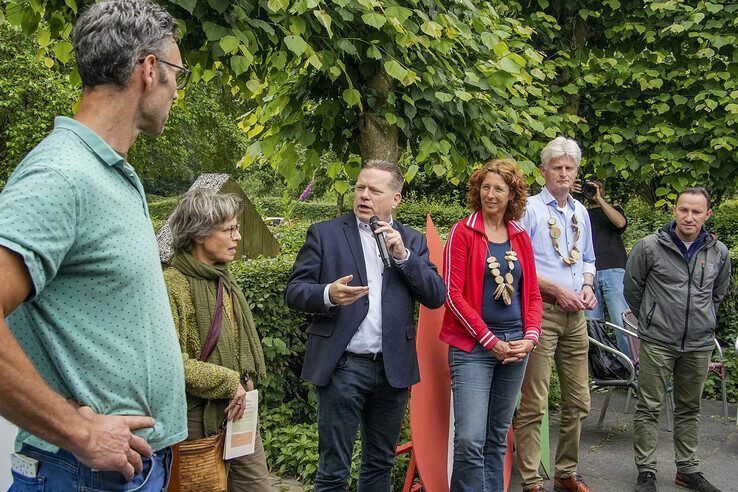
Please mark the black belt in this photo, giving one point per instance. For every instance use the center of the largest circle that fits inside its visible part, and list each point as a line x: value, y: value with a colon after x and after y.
x: 374, y: 356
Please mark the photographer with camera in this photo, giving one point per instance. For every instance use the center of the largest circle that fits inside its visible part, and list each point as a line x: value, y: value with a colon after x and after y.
x: 608, y: 224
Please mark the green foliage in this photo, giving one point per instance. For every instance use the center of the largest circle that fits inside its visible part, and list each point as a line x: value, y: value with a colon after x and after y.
x: 291, y: 449
x: 445, y: 215
x: 453, y: 82
x: 32, y: 95
x: 201, y: 136
x: 648, y: 86
x: 643, y: 219
x: 654, y: 86
x: 291, y: 208
x: 282, y: 331
x: 724, y: 223
x: 290, y: 235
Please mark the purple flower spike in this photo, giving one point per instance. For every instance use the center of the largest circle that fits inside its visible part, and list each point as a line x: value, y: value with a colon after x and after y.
x: 306, y: 192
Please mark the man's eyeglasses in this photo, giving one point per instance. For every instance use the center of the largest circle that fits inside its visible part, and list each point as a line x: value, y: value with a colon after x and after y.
x: 182, y: 75
x: 231, y: 230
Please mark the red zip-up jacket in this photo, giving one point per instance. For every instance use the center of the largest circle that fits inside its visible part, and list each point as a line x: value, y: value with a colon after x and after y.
x: 464, y: 268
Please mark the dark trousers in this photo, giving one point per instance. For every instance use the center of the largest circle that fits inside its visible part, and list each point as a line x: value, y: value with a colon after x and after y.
x: 358, y: 394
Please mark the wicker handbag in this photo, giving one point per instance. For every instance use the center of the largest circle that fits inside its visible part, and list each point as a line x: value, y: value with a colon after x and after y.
x: 198, y: 465
x: 201, y: 465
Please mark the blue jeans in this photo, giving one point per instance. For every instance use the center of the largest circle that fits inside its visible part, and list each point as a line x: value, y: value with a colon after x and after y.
x: 485, y: 392
x: 609, y: 291
x: 62, y: 472
x: 358, y: 394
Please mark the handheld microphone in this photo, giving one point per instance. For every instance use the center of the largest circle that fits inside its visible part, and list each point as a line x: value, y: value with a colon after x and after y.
x: 381, y: 244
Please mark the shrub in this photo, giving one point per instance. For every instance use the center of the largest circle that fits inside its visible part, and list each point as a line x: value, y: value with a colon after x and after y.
x: 445, y: 215
x: 32, y: 96
x: 282, y: 332
x: 291, y: 208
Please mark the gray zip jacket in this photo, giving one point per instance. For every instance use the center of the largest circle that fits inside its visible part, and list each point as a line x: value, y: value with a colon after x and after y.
x: 676, y: 301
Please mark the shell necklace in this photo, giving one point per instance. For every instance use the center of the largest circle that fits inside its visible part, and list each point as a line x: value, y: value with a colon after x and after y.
x: 555, y: 233
x: 504, y: 290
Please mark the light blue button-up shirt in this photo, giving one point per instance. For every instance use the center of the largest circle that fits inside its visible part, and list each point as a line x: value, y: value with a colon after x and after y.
x: 549, y: 265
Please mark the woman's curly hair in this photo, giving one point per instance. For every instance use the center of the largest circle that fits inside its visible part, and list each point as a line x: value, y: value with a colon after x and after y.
x: 511, y: 173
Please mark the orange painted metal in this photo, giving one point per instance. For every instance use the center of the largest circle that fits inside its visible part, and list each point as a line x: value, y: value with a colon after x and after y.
x: 431, y: 397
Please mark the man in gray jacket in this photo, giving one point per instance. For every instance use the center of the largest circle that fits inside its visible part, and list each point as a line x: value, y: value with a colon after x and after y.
x: 674, y: 281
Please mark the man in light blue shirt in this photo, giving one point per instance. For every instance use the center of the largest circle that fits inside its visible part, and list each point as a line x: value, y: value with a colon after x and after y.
x: 92, y: 370
x: 561, y: 235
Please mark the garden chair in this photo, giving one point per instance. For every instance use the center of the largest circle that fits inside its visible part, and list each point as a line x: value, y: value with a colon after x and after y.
x: 716, y: 367
x: 605, y: 380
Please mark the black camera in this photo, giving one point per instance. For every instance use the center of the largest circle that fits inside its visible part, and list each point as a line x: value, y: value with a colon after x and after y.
x: 589, y: 189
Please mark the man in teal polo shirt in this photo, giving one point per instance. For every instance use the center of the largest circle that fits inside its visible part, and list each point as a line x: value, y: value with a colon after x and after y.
x: 92, y: 371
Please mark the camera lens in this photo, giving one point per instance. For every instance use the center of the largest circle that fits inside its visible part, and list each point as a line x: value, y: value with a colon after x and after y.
x: 589, y: 190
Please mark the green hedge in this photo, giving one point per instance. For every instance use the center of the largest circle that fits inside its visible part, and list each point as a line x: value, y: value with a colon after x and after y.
x: 282, y: 332
x: 293, y: 209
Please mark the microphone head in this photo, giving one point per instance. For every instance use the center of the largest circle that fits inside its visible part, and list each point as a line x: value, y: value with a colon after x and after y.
x: 373, y: 222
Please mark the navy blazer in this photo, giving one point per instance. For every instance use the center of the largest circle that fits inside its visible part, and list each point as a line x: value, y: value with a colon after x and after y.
x: 333, y: 250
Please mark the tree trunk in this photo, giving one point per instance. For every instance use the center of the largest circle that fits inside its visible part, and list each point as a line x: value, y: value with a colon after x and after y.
x: 377, y: 138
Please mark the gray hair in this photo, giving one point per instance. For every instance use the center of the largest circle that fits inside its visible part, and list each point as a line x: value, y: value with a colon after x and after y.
x: 199, y: 213
x: 110, y: 37
x: 560, y: 147
x: 398, y: 180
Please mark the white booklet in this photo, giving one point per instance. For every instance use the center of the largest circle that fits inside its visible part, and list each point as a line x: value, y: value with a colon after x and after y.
x: 240, y: 438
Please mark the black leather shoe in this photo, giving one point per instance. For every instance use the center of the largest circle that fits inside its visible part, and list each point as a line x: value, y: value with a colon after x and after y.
x: 695, y: 481
x: 646, y: 482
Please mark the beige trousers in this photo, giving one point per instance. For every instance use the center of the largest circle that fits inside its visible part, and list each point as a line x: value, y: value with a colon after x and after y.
x: 563, y: 340
x: 245, y: 474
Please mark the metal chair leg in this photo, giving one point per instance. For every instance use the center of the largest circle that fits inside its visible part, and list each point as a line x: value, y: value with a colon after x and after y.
x: 603, y: 412
x: 628, y: 397
x: 725, y: 401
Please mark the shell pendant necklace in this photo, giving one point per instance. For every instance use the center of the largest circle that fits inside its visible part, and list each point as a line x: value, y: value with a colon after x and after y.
x: 505, y: 290
x: 555, y: 233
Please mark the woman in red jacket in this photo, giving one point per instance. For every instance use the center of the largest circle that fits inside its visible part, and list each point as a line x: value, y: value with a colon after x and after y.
x: 492, y: 321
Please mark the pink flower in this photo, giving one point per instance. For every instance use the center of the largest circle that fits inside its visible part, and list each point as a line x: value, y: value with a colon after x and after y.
x: 306, y: 192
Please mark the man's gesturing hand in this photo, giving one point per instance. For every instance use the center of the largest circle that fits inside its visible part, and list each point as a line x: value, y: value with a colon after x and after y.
x: 341, y: 293
x: 110, y: 445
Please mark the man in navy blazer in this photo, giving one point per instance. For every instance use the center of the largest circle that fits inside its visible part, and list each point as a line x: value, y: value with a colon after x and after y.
x: 361, y: 341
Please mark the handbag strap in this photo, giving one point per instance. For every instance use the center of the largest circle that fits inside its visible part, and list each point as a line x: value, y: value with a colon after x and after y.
x: 214, y: 334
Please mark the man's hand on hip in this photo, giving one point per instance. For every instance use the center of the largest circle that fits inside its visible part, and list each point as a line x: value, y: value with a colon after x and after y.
x: 110, y: 445
x: 343, y: 294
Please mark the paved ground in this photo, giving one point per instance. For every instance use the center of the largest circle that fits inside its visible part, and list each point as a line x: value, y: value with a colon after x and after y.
x: 606, y: 459
x: 606, y: 456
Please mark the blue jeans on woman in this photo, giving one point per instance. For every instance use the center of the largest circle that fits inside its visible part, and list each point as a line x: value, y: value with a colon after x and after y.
x: 62, y: 472
x: 609, y: 291
x: 485, y: 393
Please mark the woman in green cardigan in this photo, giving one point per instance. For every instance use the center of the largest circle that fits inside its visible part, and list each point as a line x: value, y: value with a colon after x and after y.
x: 205, y: 236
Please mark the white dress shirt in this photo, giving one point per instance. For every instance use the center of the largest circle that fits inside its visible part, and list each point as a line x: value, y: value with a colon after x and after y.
x: 368, y: 338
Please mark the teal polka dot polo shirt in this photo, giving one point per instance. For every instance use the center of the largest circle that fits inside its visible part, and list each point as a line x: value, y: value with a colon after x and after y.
x: 98, y: 326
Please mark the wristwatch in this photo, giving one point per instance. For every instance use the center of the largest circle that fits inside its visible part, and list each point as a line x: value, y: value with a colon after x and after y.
x: 587, y: 284
x: 245, y: 379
